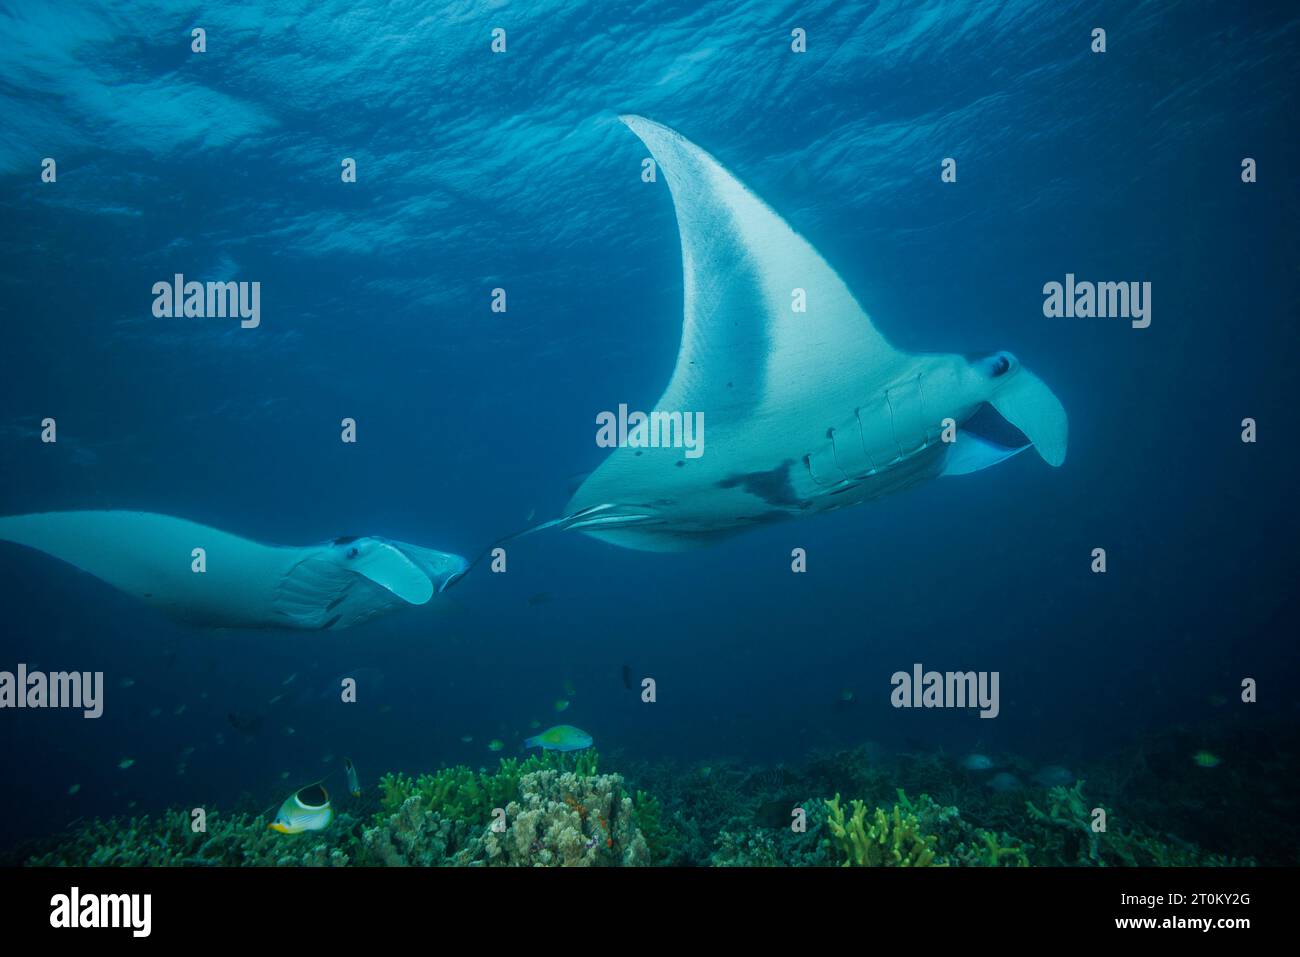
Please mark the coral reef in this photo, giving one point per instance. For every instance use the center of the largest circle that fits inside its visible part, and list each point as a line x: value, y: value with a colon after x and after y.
x: 558, y: 810
x: 169, y: 841
x: 567, y: 819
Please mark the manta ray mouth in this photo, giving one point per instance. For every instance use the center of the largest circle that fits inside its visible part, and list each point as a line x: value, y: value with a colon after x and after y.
x: 992, y: 427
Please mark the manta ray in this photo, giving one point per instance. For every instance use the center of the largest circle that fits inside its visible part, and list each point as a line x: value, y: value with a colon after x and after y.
x: 806, y: 412
x: 242, y: 583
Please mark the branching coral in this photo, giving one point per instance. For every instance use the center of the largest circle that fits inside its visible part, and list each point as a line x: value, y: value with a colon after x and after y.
x: 168, y: 840
x: 879, y: 840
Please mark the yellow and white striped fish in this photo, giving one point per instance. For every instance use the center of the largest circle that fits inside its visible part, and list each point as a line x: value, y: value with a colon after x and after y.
x: 306, y: 810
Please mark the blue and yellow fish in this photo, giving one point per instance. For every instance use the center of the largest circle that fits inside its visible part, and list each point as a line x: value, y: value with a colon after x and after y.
x: 562, y: 737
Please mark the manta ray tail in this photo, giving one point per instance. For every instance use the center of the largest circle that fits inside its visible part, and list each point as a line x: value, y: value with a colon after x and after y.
x: 573, y: 519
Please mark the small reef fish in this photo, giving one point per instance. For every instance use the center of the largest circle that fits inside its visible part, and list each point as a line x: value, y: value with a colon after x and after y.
x: 1005, y: 782
x: 306, y: 810
x: 244, y: 723
x: 534, y: 724
x: 496, y: 744
x: 562, y: 737
x: 1054, y: 776
x: 467, y: 739
x: 977, y: 762
x: 1206, y: 759
x: 127, y: 682
x: 125, y: 763
x: 354, y: 784
x: 569, y: 689
x: 74, y: 789
x: 561, y: 705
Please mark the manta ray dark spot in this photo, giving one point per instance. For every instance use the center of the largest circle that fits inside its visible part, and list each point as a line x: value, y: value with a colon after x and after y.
x: 680, y: 463
x: 345, y: 540
x: 773, y: 486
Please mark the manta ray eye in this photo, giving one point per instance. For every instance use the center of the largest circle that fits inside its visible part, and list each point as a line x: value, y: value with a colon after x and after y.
x: 998, y: 364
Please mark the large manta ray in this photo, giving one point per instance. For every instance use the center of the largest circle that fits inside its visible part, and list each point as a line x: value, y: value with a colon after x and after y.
x: 804, y: 412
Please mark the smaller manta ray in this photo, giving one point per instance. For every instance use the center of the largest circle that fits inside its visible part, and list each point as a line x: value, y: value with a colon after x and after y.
x: 805, y: 411
x: 243, y: 584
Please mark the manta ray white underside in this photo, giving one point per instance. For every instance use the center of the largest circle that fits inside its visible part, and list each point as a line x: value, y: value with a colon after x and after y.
x: 204, y: 576
x: 804, y: 412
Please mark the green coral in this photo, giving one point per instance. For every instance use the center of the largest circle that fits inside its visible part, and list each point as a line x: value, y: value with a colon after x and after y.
x: 459, y: 793
x: 169, y: 840
x: 882, y: 839
x: 1066, y: 824
x: 394, y: 790
x: 992, y: 853
x: 648, y: 813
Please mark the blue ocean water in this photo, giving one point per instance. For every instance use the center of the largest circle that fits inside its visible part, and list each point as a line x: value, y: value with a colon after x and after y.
x: 478, y: 171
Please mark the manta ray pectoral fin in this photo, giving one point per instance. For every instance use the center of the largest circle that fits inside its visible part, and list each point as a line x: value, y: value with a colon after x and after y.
x: 1026, y: 402
x: 387, y: 566
x: 740, y: 350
